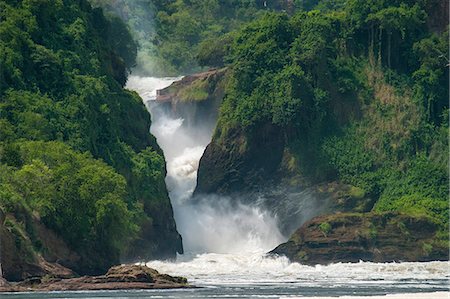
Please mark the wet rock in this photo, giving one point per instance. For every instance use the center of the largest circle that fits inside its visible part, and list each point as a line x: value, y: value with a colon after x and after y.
x: 238, y: 162
x: 125, y: 273
x: 351, y: 237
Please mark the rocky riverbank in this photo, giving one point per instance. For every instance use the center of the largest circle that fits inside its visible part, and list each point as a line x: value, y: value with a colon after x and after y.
x: 376, y: 237
x: 122, y: 277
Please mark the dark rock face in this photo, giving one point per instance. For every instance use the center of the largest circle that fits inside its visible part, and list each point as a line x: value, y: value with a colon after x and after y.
x: 159, y: 238
x: 240, y: 162
x: 118, y: 277
x: 351, y: 237
x: 14, y: 264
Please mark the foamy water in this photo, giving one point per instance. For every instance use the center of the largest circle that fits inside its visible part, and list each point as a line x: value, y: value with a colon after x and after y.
x: 255, y: 275
x: 146, y: 87
x: 256, y: 268
x: 437, y: 295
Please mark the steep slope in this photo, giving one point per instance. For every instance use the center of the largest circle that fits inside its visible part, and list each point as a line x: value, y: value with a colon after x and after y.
x: 353, y: 95
x: 75, y: 150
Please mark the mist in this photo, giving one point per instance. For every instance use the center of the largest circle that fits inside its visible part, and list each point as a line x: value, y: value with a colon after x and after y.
x: 243, y: 223
x: 139, y: 16
x: 208, y: 223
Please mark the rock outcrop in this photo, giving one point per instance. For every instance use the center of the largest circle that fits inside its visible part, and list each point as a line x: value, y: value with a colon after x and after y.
x: 118, y: 277
x: 240, y: 163
x: 196, y: 98
x: 351, y: 237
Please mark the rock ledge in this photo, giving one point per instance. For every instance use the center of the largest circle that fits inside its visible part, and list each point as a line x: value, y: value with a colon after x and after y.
x: 118, y: 277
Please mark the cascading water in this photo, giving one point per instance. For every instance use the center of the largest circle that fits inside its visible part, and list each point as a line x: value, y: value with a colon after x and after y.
x: 225, y: 241
x: 215, y: 225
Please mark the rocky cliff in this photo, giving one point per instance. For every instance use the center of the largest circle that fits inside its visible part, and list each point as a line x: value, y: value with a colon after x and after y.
x: 20, y: 261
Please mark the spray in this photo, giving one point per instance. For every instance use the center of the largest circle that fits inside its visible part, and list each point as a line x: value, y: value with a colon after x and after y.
x: 211, y: 223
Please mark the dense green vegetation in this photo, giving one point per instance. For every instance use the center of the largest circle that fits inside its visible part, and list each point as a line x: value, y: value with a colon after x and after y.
x: 358, y: 90
x: 80, y: 198
x: 175, y: 36
x: 74, y: 146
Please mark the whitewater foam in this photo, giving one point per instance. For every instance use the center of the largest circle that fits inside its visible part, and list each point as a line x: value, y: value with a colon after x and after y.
x: 256, y: 268
x: 434, y: 295
x: 146, y: 87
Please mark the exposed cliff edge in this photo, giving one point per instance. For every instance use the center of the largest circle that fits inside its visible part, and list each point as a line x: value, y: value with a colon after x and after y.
x: 19, y: 261
x: 354, y: 237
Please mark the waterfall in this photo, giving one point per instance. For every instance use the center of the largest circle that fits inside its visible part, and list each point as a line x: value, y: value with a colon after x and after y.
x: 225, y: 240
x: 215, y: 224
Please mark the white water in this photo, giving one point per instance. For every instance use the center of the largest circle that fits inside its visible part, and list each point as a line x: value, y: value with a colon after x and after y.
x: 225, y: 241
x: 211, y: 224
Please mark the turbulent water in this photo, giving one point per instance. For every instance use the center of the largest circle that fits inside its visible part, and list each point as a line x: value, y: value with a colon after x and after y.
x: 209, y: 224
x: 253, y: 276
x: 225, y: 241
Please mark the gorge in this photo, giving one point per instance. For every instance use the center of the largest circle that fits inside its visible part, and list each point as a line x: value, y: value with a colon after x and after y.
x: 226, y: 237
x: 257, y: 148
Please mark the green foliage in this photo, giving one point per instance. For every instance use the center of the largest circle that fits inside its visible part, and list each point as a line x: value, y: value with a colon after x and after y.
x: 197, y: 91
x: 423, y: 189
x: 373, y: 233
x: 80, y: 198
x: 357, y: 91
x: 68, y: 153
x: 213, y: 51
x: 354, y: 163
x: 325, y: 228
x: 356, y: 192
x: 180, y: 36
x: 348, y: 108
x: 427, y: 248
x: 431, y: 77
x: 261, y: 88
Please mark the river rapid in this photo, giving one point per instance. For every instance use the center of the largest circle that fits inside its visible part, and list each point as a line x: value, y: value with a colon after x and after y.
x: 225, y: 242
